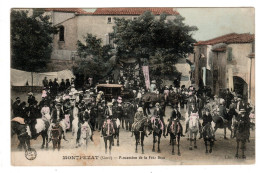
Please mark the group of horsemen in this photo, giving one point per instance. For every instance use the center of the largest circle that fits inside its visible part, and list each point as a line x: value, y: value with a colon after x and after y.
x: 99, y: 113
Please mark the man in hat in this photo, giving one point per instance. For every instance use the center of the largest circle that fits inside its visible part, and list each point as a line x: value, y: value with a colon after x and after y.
x: 223, y: 111
x: 34, y: 113
x: 175, y: 117
x: 139, y: 115
x: 57, y: 113
x: 192, y: 110
x: 207, y: 119
x: 31, y: 99
x: 158, y: 111
x: 45, y: 82
x: 16, y: 107
x: 62, y: 86
x: 100, y: 115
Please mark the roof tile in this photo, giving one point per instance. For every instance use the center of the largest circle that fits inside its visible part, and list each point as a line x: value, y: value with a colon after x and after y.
x: 229, y: 38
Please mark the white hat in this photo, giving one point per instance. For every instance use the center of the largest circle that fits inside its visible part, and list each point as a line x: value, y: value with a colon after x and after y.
x: 140, y: 109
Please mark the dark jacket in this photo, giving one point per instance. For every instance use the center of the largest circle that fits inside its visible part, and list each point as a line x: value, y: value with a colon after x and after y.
x: 55, y: 116
x: 175, y: 114
x: 206, y: 119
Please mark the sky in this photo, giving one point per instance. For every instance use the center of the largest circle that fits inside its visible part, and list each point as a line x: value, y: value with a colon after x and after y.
x: 214, y: 22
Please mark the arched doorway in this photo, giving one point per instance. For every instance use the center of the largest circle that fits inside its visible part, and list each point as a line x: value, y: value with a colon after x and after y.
x: 240, y: 87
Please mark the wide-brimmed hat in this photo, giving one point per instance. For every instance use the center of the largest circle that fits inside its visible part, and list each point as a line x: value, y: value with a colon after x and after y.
x: 242, y: 111
x: 30, y: 93
x: 17, y: 98
x: 140, y: 109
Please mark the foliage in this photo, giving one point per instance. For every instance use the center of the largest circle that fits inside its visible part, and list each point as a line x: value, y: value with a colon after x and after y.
x: 95, y: 57
x: 31, y: 38
x: 158, y: 40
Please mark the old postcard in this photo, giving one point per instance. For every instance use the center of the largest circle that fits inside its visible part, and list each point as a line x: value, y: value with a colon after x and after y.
x: 132, y: 86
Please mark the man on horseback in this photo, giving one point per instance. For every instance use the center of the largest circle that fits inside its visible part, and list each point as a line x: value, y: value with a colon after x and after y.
x: 222, y: 111
x: 207, y: 119
x: 192, y: 110
x: 83, y: 117
x: 175, y: 117
x: 56, y: 116
x: 139, y: 115
x: 158, y: 112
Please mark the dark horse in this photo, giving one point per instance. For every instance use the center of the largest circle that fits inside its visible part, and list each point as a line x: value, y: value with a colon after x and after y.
x: 140, y: 130
x: 208, y: 136
x: 221, y: 123
x: 174, y: 128
x: 108, y: 132
x: 116, y: 123
x: 156, y: 126
x: 21, y: 131
x: 242, y: 136
x: 56, y: 133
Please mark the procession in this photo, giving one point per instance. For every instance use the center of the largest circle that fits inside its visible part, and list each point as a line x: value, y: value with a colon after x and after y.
x: 63, y: 110
x: 130, y: 83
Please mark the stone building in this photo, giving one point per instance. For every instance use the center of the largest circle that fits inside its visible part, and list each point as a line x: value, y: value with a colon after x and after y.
x: 227, y: 62
x: 75, y: 23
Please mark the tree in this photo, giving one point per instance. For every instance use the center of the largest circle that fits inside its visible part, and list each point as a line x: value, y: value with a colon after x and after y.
x: 31, y: 38
x: 96, y: 59
x: 159, y: 41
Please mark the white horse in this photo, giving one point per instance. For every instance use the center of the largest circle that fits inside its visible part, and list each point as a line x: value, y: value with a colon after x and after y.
x: 193, y: 128
x: 85, y: 134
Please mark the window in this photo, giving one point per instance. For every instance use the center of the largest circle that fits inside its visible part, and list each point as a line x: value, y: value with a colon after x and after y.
x: 109, y: 20
x: 61, y: 33
x: 110, y: 40
x: 229, y: 55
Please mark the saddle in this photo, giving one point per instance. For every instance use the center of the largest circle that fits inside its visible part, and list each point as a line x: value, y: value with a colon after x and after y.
x: 137, y: 125
x: 108, y: 129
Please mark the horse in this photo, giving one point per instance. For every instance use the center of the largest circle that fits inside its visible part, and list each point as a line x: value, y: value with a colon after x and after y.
x: 193, y: 129
x: 208, y: 136
x: 220, y: 123
x: 22, y: 131
x: 241, y: 136
x: 156, y: 126
x: 108, y: 132
x: 116, y: 123
x: 56, y: 134
x: 140, y: 129
x: 174, y: 129
x: 85, y: 134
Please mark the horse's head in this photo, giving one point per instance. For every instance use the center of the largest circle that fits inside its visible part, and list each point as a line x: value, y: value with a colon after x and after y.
x: 193, y: 122
x: 85, y: 130
x: 208, y: 131
x: 147, y: 126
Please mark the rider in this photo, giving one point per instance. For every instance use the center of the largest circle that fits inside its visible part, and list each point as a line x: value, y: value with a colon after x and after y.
x: 207, y: 119
x: 192, y: 109
x: 222, y: 110
x: 175, y: 116
x: 108, y: 123
x: 57, y: 115
x: 158, y: 112
x: 139, y: 115
x: 83, y: 117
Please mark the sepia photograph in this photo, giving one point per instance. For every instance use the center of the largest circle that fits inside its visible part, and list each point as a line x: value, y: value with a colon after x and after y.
x: 124, y: 86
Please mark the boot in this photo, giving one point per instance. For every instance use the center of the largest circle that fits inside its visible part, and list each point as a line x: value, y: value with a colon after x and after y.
x: 200, y: 135
x: 187, y: 126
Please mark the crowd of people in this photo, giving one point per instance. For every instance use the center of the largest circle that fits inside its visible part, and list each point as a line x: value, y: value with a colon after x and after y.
x: 90, y: 105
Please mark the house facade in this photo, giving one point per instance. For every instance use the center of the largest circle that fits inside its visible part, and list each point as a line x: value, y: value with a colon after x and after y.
x: 75, y: 23
x: 226, y: 62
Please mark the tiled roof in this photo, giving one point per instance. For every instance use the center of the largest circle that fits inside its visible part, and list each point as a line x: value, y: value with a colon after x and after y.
x: 229, y: 38
x: 70, y: 10
x: 133, y: 11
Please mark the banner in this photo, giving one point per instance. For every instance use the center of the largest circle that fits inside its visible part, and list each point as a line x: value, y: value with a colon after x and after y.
x: 146, y: 77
